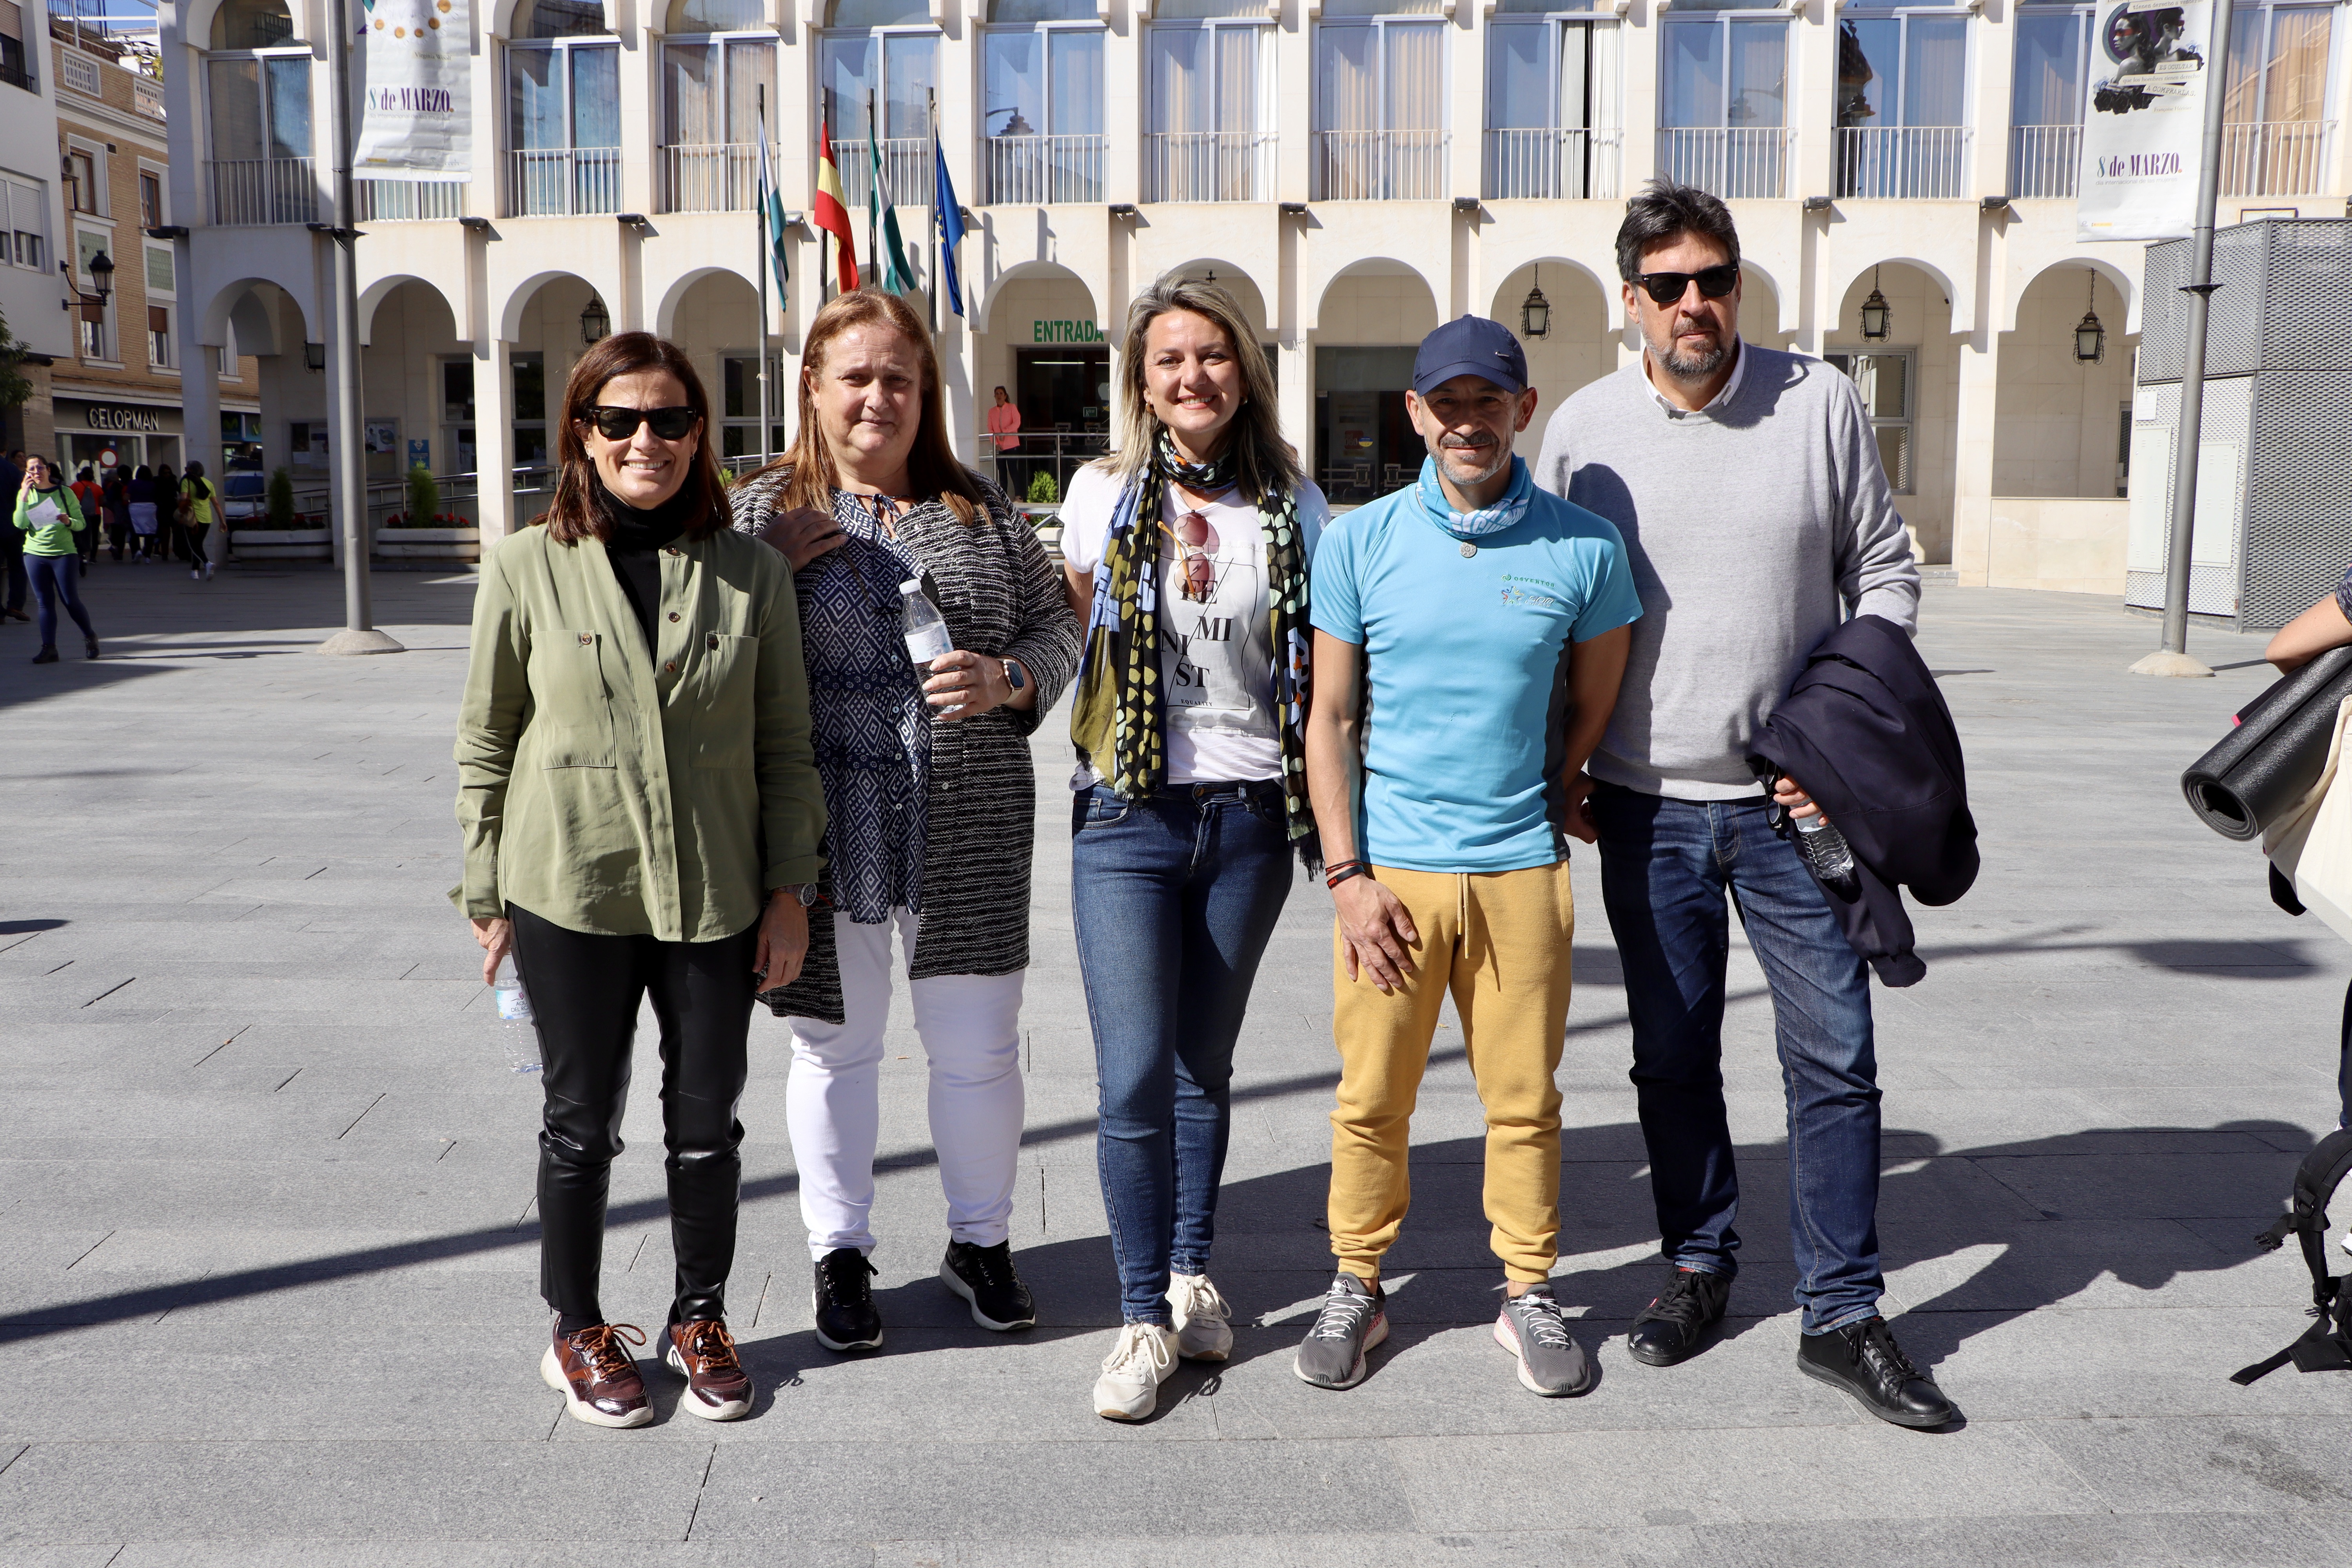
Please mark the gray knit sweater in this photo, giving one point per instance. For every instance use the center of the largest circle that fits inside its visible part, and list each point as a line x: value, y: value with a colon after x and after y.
x: 1754, y: 526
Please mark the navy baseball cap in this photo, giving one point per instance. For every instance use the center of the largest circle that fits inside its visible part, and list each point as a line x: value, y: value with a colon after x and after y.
x: 1473, y: 345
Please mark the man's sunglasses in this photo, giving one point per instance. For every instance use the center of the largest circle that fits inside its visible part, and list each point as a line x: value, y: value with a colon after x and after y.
x: 620, y: 424
x: 1666, y: 288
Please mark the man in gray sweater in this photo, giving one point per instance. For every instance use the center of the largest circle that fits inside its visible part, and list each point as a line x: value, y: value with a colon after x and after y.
x: 1747, y: 485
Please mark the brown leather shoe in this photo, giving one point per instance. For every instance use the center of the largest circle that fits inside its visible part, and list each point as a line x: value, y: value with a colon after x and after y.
x: 597, y: 1376
x: 717, y: 1386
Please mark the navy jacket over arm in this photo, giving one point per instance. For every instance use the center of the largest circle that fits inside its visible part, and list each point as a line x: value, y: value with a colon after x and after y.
x: 1864, y: 732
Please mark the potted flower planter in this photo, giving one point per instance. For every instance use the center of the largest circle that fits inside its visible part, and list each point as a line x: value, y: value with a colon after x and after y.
x: 281, y: 544
x: 462, y: 541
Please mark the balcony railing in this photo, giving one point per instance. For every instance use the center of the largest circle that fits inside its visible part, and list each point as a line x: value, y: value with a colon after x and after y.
x: 263, y: 190
x: 557, y: 182
x: 1379, y: 165
x: 1741, y: 164
x: 1902, y: 163
x: 2043, y: 160
x: 147, y: 96
x: 1060, y: 453
x: 1033, y: 171
x: 905, y: 163
x: 1553, y: 164
x: 1208, y: 166
x: 712, y: 177
x: 407, y: 201
x: 2276, y: 158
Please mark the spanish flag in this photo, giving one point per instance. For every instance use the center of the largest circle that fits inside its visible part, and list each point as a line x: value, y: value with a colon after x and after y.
x: 833, y: 209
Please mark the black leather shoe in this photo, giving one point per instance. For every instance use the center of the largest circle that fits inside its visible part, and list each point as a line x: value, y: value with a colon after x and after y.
x: 985, y: 1276
x: 843, y: 1298
x: 1672, y: 1326
x: 1863, y: 1361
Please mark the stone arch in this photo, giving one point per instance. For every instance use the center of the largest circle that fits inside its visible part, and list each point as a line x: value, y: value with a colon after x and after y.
x: 1236, y: 280
x: 1579, y: 347
x: 1935, y: 274
x: 520, y: 298
x: 197, y: 23
x: 377, y: 292
x: 1370, y: 267
x: 499, y: 22
x: 2115, y: 277
x: 1050, y: 271
x: 1612, y: 306
x: 1774, y: 325
x: 236, y: 306
x: 666, y: 312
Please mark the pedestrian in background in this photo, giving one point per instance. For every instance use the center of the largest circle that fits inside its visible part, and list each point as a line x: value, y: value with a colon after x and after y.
x: 2326, y: 625
x: 171, y: 515
x: 1004, y: 435
x: 47, y: 517
x: 144, y: 519
x: 1193, y: 544
x: 12, y: 544
x: 199, y: 508
x: 642, y: 815
x: 114, y: 505
x: 930, y: 797
x: 88, y: 497
x: 1748, y: 485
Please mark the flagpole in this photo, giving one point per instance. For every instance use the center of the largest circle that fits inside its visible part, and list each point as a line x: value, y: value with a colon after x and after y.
x: 760, y: 263
x: 873, y: 194
x: 824, y: 235
x: 931, y: 267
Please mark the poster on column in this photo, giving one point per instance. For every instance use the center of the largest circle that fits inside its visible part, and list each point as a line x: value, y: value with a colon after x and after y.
x: 414, y: 122
x: 2143, y: 138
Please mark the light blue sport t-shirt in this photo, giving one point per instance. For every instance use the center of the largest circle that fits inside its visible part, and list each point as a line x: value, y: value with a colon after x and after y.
x: 1467, y: 665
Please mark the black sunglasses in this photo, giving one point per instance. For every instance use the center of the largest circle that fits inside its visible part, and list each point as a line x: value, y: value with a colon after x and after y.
x: 620, y: 424
x: 1666, y: 288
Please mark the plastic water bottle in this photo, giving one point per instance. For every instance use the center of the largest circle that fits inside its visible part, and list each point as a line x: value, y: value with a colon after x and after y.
x: 1826, y: 851
x: 518, y: 1026
x: 926, y: 629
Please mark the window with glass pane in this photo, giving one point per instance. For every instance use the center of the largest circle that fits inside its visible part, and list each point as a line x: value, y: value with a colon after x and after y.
x: 1723, y: 102
x: 1044, y: 116
x: 903, y: 68
x: 1379, y: 104
x: 1203, y: 86
x: 563, y: 126
x: 738, y: 431
x: 2275, y: 140
x: 1901, y: 101
x: 717, y: 94
x: 1884, y: 381
x: 1551, y: 108
x: 529, y: 411
x: 2048, y: 86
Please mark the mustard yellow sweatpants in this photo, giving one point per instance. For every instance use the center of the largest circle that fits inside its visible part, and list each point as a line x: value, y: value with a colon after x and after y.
x: 1499, y: 942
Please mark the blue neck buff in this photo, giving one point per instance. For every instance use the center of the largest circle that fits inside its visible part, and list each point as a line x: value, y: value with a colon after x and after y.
x: 1489, y: 520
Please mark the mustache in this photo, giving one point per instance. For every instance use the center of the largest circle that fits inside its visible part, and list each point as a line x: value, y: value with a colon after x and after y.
x: 1466, y: 443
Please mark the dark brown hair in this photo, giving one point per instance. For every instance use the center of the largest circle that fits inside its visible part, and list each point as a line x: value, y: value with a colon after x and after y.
x: 1665, y: 211
x: 574, y: 514
x: 932, y: 467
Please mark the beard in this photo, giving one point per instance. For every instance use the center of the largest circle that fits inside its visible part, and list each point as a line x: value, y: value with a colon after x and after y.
x: 1498, y: 453
x: 1697, y: 366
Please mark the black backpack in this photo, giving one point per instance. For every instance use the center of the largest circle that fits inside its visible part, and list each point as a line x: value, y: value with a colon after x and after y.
x: 2326, y: 1345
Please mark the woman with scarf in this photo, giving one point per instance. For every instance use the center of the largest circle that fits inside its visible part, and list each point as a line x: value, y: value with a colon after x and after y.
x: 642, y: 817
x: 1187, y: 555
x: 930, y: 794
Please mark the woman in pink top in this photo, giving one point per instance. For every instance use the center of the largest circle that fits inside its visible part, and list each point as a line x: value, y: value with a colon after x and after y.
x: 1004, y: 427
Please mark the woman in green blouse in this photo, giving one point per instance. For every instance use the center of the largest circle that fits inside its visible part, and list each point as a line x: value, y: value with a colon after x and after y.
x: 641, y: 814
x: 49, y: 516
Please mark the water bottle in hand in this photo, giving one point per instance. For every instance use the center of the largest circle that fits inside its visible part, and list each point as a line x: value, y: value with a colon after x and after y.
x: 518, y: 1026
x: 926, y: 630
x: 1827, y: 852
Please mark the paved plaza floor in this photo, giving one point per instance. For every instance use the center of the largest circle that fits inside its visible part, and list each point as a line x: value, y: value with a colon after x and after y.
x: 268, y: 1279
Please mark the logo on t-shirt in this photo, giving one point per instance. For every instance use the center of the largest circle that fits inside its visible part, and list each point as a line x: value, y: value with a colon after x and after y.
x: 1534, y: 592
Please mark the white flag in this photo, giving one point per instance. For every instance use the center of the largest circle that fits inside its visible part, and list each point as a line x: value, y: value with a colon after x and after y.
x: 416, y: 122
x: 2144, y: 130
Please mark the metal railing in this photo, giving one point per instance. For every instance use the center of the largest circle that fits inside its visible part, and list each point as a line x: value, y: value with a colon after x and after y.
x: 1381, y: 165
x: 1060, y: 453
x: 2276, y: 158
x: 1902, y: 163
x: 905, y: 163
x: 147, y: 96
x: 557, y: 182
x: 407, y: 201
x: 1552, y: 163
x: 263, y: 190
x: 1742, y: 163
x: 2044, y: 160
x: 712, y: 177
x: 1208, y: 166
x: 1034, y: 171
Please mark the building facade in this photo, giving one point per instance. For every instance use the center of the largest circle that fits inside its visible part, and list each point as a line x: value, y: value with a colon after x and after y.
x: 1354, y: 170
x: 115, y: 398
x: 32, y: 295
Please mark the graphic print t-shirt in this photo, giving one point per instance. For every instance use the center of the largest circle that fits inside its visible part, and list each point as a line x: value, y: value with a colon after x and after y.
x: 1216, y: 642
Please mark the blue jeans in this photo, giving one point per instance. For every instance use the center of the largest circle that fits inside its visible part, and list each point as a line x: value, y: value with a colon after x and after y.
x: 55, y: 577
x: 1175, y: 898
x: 1665, y: 867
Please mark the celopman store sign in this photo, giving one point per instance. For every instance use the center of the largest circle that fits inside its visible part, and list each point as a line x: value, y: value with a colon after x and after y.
x: 1064, y: 332
x: 115, y: 417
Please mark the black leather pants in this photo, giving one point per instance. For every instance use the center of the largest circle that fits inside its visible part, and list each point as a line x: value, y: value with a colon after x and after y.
x: 585, y: 990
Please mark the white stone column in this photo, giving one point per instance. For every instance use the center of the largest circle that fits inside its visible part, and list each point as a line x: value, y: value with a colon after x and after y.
x: 1974, y: 421
x: 1291, y: 113
x: 494, y: 438
x: 1811, y: 100
x: 1123, y: 105
x: 200, y: 407
x: 1295, y: 365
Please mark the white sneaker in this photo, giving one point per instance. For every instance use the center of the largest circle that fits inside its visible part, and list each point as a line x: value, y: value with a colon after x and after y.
x: 1129, y: 1388
x: 1203, y: 1330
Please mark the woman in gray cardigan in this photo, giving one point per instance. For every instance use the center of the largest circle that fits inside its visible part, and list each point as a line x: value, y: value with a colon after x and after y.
x: 929, y: 792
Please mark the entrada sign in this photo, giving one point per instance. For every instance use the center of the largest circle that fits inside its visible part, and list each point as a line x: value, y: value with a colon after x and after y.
x: 1064, y: 332
x: 114, y: 417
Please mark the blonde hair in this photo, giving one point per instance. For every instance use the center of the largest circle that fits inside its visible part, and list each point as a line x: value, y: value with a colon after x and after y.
x: 1267, y: 465
x: 809, y: 475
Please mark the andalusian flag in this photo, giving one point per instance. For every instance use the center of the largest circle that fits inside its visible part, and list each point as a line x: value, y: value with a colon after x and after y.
x: 883, y: 220
x: 771, y: 223
x: 833, y: 208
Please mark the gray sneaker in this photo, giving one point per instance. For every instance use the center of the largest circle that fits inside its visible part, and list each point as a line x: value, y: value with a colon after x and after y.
x: 1550, y: 1363
x: 1354, y: 1317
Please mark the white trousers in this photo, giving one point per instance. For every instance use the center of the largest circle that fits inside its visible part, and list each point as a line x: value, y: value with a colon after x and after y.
x: 970, y: 1029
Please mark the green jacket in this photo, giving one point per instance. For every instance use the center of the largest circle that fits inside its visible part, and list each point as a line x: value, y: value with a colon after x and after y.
x: 50, y: 537
x: 625, y: 794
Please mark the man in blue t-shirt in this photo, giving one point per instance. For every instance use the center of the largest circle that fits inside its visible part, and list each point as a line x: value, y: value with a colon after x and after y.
x: 1470, y: 632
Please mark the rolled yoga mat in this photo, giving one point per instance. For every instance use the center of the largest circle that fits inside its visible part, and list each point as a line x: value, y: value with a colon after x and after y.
x: 2262, y: 768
